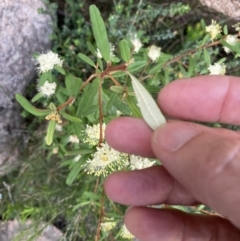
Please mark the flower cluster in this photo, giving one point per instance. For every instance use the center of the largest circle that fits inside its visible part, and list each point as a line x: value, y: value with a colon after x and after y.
x: 217, y: 69
x: 54, y: 116
x: 154, y: 52
x: 137, y: 162
x: 47, y: 61
x: 237, y: 26
x: 73, y: 139
x: 112, y: 48
x: 47, y: 89
x: 232, y: 40
x: 108, y: 224
x: 214, y: 29
x: 93, y: 134
x: 104, y: 160
x: 136, y: 43
x: 125, y: 233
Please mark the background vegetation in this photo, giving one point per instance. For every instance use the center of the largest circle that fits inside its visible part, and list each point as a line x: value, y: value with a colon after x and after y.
x: 37, y: 188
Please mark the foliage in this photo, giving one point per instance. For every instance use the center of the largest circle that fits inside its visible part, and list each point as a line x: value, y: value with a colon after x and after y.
x: 61, y: 178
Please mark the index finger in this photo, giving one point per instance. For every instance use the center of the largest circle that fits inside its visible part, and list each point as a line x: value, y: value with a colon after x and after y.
x: 203, y: 98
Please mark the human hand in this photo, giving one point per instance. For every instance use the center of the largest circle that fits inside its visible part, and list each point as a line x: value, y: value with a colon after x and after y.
x: 200, y: 164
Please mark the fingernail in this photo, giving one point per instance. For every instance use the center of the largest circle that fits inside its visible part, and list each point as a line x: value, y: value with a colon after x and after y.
x: 173, y: 136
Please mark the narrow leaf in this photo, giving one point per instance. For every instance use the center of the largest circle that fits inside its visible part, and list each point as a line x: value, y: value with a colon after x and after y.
x: 90, y: 110
x: 207, y: 57
x: 50, y: 132
x: 30, y: 108
x: 70, y: 117
x: 99, y: 32
x: 37, y: 97
x: 75, y: 170
x: 133, y: 107
x: 136, y: 65
x: 225, y: 29
x: 73, y: 85
x: 88, y: 98
x: 80, y: 152
x: 86, y: 59
x: 149, y: 109
x: 59, y: 69
x: 125, y: 50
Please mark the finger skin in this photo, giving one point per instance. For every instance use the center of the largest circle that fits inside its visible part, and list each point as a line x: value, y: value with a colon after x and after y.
x: 172, y: 225
x: 149, y: 186
x: 203, y: 98
x: 130, y: 135
x: 205, y: 161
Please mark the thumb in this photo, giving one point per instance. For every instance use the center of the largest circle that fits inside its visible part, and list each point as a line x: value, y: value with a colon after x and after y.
x: 206, y: 161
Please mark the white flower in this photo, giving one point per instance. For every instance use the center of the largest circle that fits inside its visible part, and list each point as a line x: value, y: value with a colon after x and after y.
x: 125, y: 233
x: 137, y: 162
x: 47, y: 89
x: 99, y: 55
x: 93, y: 134
x: 154, y: 52
x: 118, y: 113
x: 136, y: 43
x: 232, y: 40
x: 237, y: 26
x: 73, y: 139
x: 77, y: 158
x: 108, y: 224
x: 104, y: 160
x: 55, y: 150
x: 58, y: 127
x: 217, y: 69
x: 47, y: 61
x: 112, y: 48
x: 213, y: 29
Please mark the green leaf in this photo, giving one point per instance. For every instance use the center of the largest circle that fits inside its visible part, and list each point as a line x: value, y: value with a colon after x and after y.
x: 73, y: 85
x: 207, y: 57
x: 118, y: 74
x: 110, y: 102
x: 44, y: 77
x: 80, y: 152
x: 91, y: 48
x: 99, y: 32
x: 70, y: 117
x: 50, y: 132
x: 203, y: 24
x: 86, y: 59
x: 89, y: 97
x: 30, y: 108
x: 59, y: 69
x: 82, y: 204
x: 125, y: 50
x: 52, y: 107
x: 37, y: 97
x: 233, y: 48
x: 90, y: 110
x: 149, y: 109
x: 191, y: 67
x: 117, y: 89
x: 225, y: 29
x: 136, y: 65
x: 133, y: 106
x: 75, y: 170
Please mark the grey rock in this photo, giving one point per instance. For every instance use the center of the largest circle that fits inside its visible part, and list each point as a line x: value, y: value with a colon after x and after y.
x: 23, y: 32
x: 230, y: 8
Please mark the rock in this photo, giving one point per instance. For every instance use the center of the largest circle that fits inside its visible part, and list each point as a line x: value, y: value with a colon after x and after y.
x: 23, y: 32
x: 230, y: 8
x: 24, y: 231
